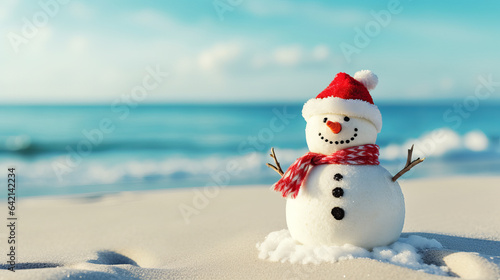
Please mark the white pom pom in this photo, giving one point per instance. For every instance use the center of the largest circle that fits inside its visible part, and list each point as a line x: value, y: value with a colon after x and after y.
x: 367, y: 78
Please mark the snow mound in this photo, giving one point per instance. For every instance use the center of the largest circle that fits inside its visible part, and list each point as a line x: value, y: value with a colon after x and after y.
x: 280, y: 246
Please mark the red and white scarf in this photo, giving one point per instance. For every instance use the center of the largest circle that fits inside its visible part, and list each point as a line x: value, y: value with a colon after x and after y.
x: 293, y: 178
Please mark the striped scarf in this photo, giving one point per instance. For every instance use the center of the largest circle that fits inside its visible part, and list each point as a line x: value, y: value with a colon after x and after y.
x: 293, y: 178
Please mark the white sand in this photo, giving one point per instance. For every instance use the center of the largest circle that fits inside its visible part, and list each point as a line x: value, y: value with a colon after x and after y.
x: 142, y: 235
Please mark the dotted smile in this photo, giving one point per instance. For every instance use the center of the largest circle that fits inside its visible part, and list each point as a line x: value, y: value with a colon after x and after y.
x: 347, y: 141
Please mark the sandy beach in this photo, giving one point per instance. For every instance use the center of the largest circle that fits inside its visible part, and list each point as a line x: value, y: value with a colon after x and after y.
x: 145, y: 235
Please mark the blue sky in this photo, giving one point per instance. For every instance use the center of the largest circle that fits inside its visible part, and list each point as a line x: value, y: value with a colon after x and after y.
x: 248, y: 51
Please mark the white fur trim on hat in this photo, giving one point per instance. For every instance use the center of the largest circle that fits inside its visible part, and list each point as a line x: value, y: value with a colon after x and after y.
x: 348, y: 107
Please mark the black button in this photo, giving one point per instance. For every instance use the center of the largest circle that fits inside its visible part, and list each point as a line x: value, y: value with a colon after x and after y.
x: 338, y: 192
x: 338, y: 177
x: 338, y: 213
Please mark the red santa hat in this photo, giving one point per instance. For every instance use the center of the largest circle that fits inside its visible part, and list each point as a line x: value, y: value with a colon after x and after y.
x: 347, y: 96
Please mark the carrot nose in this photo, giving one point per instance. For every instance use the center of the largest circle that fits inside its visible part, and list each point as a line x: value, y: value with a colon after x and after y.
x: 334, y: 126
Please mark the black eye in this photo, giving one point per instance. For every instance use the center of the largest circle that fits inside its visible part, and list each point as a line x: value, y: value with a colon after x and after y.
x: 325, y: 119
x: 346, y: 119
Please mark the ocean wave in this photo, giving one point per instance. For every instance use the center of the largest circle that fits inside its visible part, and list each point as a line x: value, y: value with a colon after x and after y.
x: 26, y: 145
x: 438, y: 144
x: 445, y: 151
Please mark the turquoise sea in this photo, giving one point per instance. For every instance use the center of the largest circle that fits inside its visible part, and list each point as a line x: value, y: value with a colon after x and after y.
x: 81, y: 149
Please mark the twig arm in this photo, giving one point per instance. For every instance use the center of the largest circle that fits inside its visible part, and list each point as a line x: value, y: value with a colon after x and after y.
x: 276, y: 168
x: 409, y: 164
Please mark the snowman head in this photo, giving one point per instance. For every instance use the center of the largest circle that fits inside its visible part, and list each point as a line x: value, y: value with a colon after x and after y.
x: 343, y: 115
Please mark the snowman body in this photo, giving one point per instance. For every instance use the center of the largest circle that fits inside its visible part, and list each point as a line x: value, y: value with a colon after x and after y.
x: 347, y: 204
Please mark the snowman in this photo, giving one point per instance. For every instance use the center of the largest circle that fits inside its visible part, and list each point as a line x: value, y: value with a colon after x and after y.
x: 338, y: 193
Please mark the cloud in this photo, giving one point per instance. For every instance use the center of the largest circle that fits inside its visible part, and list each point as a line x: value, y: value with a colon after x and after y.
x: 298, y: 55
x: 220, y: 55
x: 320, y: 52
x: 243, y: 57
x: 289, y: 55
